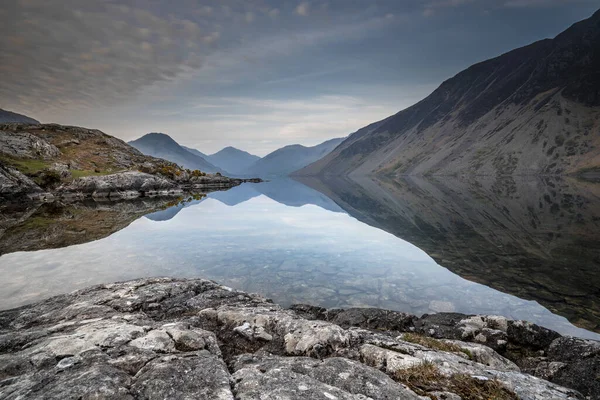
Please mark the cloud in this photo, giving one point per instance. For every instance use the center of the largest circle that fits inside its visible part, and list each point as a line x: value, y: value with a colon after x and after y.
x: 432, y: 7
x: 303, y: 9
x: 78, y: 55
x: 274, y: 13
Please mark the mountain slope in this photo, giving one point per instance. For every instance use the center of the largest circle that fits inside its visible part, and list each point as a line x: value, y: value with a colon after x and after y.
x: 288, y: 159
x: 233, y: 160
x: 534, y: 110
x: 9, y: 116
x: 163, y: 146
x: 196, y: 152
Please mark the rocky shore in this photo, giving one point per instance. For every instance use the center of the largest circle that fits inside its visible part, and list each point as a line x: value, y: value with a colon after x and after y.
x: 164, y: 338
x: 49, y: 161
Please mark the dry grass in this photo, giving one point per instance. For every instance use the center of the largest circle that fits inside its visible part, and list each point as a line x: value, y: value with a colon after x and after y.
x: 426, y: 378
x: 435, y: 344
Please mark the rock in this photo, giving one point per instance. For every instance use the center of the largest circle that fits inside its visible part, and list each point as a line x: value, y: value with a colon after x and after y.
x: 26, y: 145
x: 202, y: 377
x: 163, y: 338
x: 158, y: 341
x: 387, y: 360
x: 485, y: 355
x: 446, y: 396
x: 373, y: 318
x: 530, y: 335
x: 307, y: 378
x: 62, y: 169
x: 14, y: 183
x: 113, y: 185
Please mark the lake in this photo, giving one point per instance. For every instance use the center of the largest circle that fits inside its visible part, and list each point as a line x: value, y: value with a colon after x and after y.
x: 523, y: 248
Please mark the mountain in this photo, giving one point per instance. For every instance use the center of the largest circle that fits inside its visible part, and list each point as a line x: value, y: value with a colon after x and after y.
x: 163, y: 146
x: 534, y: 110
x: 288, y: 159
x: 9, y: 116
x: 233, y: 160
x: 196, y: 152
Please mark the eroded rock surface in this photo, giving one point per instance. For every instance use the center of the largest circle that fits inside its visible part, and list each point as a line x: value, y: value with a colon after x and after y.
x: 173, y: 338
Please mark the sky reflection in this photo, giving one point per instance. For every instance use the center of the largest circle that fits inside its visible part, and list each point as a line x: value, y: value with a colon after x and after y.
x: 291, y: 254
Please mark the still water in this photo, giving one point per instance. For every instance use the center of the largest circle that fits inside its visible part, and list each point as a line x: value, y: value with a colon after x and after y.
x: 295, y: 244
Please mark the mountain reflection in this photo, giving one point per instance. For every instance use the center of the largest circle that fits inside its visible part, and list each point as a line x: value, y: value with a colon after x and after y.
x: 506, y: 246
x: 535, y: 238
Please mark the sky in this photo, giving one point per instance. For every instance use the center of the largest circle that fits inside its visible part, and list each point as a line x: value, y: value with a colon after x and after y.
x: 254, y: 74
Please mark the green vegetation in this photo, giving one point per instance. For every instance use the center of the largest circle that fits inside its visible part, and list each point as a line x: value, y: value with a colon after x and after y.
x: 435, y: 344
x: 48, y: 178
x: 25, y: 165
x: 196, y: 173
x: 426, y: 377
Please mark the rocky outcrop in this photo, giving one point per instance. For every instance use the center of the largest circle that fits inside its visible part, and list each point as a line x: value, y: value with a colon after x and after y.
x: 122, y: 185
x: 532, y: 111
x: 14, y: 183
x: 170, y: 338
x: 26, y: 145
x: 41, y: 158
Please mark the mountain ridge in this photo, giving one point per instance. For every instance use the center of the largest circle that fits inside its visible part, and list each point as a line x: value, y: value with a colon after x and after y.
x: 527, y: 111
x: 9, y: 116
x: 233, y: 160
x: 290, y: 158
x: 161, y: 145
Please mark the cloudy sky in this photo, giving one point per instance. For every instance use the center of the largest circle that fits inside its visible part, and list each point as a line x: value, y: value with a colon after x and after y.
x: 256, y: 74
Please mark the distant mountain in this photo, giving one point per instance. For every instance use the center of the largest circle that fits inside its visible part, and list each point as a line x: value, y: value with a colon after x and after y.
x: 534, y: 110
x: 163, y: 146
x: 233, y: 160
x: 196, y: 152
x: 9, y: 116
x: 288, y: 159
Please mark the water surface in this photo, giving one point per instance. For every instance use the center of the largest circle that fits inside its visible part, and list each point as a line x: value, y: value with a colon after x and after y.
x: 295, y: 244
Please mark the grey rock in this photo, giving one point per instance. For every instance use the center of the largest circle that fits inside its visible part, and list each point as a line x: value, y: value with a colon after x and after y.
x: 13, y: 183
x: 530, y: 335
x: 158, y: 341
x: 121, y: 185
x: 303, y: 377
x: 203, y: 376
x: 26, y: 145
x: 373, y: 318
x: 173, y: 338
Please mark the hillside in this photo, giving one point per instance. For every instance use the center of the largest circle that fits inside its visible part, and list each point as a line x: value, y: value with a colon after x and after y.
x: 46, y: 154
x: 534, y: 110
x: 49, y: 161
x: 196, y: 152
x: 288, y: 159
x: 9, y: 116
x: 233, y: 160
x: 163, y: 146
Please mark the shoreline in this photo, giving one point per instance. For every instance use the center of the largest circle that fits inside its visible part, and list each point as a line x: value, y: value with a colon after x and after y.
x: 125, y: 331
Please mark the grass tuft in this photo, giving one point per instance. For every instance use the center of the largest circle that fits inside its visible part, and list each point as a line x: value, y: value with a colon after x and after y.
x: 426, y: 378
x: 435, y: 344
